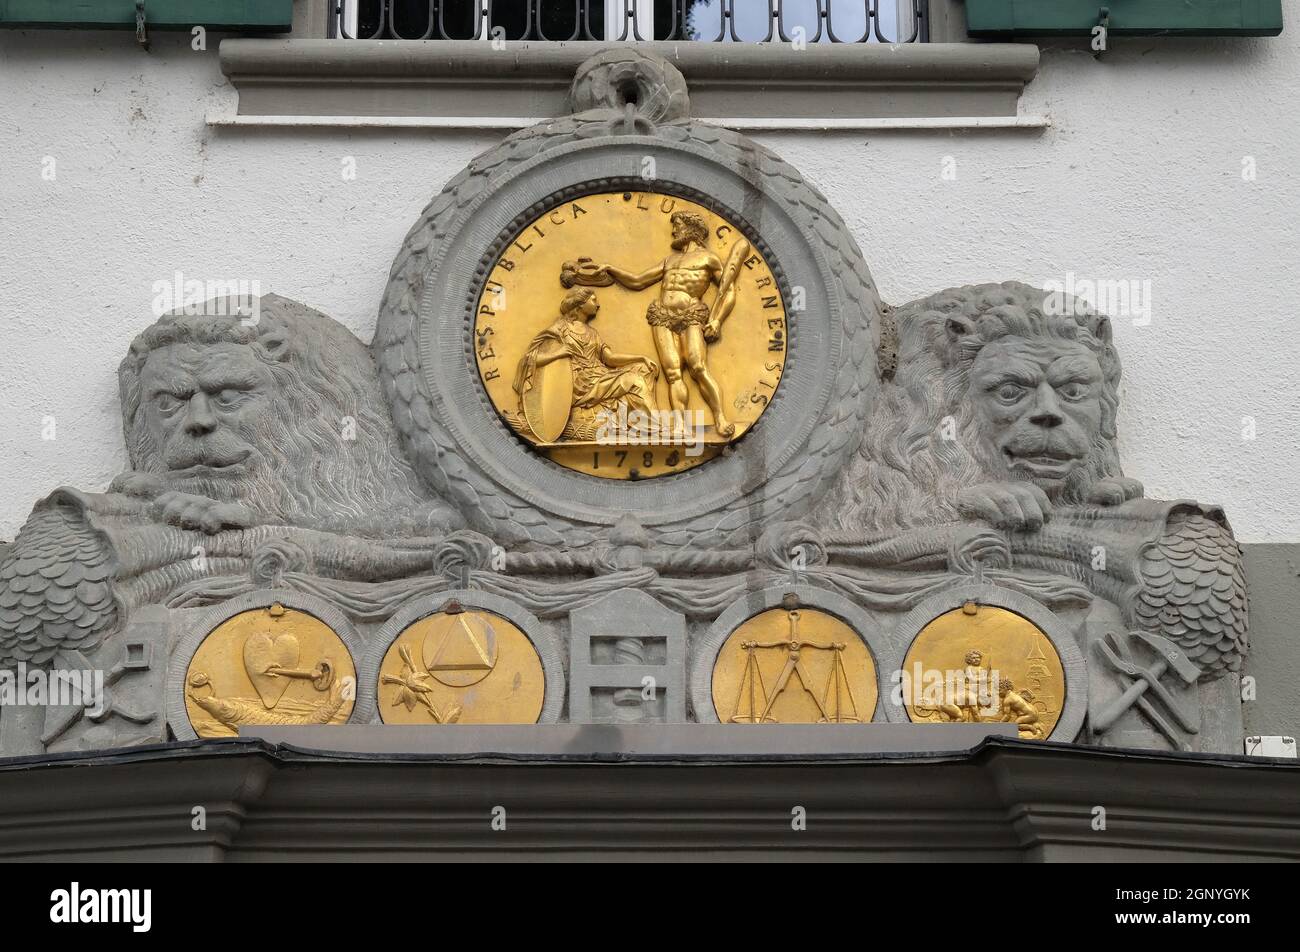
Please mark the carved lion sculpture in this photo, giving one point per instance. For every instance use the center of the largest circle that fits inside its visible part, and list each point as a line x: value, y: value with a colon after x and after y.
x: 233, y: 424
x: 999, y: 410
x: 230, y: 426
x: 1003, y: 411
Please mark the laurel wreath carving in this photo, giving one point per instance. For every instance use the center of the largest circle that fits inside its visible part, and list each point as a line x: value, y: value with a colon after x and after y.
x: 657, y: 88
x: 490, y: 508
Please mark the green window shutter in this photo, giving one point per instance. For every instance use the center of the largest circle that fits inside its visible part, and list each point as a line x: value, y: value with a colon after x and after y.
x: 1005, y: 18
x: 266, y: 16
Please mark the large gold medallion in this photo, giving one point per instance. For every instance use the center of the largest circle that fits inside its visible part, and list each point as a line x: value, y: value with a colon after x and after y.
x: 981, y: 663
x: 461, y: 666
x: 794, y: 667
x: 630, y: 334
x: 269, y: 666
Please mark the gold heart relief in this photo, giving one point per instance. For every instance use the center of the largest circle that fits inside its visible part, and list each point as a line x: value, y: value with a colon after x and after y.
x: 261, y: 653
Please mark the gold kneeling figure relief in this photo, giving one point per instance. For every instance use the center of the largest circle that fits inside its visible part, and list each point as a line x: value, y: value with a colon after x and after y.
x: 688, y: 351
x: 984, y: 664
x: 269, y: 666
x: 794, y: 666
x: 461, y: 666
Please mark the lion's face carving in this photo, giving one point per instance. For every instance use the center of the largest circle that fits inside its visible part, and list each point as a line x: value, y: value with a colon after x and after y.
x: 202, y: 406
x: 1038, y: 407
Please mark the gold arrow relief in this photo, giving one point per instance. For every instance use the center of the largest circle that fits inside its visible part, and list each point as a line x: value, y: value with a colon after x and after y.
x: 269, y: 666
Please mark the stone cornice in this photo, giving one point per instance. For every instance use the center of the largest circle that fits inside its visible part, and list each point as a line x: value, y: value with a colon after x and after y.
x: 470, y: 84
x: 1004, y: 800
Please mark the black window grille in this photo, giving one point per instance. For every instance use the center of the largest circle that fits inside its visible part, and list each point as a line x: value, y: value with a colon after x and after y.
x: 712, y: 21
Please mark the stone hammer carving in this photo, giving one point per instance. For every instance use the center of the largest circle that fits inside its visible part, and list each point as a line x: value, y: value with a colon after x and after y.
x: 1116, y: 651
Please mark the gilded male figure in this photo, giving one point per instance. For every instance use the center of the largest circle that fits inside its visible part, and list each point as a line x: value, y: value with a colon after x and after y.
x: 679, y: 319
x: 1018, y: 709
x: 601, y: 378
x: 966, y: 705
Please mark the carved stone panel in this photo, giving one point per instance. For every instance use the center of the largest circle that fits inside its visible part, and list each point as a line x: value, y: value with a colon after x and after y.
x: 632, y: 387
x: 627, y: 661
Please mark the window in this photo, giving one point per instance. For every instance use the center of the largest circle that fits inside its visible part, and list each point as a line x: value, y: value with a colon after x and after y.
x: 722, y: 21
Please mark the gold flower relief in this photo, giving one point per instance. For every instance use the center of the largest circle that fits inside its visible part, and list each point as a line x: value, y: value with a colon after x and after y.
x: 461, y: 666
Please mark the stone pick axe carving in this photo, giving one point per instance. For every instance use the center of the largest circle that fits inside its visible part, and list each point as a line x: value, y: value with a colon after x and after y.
x: 1168, y: 657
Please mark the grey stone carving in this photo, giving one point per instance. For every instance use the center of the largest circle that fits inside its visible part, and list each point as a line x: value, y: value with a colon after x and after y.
x: 1002, y: 413
x: 259, y: 450
x: 128, y: 711
x: 54, y: 584
x: 615, y: 643
x: 980, y: 442
x: 617, y: 79
x: 961, y: 446
x: 255, y: 450
x: 231, y: 423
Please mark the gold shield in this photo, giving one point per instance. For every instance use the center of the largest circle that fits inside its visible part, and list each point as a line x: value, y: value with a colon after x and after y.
x: 548, y: 399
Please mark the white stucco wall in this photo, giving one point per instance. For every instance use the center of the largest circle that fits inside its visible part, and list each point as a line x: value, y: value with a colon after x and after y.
x: 1138, y: 178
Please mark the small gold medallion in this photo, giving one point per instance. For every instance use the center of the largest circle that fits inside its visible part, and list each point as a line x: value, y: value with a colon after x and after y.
x: 630, y: 334
x: 799, y: 666
x: 981, y: 663
x: 269, y: 666
x: 461, y: 666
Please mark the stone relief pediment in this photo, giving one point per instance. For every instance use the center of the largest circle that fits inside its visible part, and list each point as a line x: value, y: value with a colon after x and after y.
x: 306, y: 516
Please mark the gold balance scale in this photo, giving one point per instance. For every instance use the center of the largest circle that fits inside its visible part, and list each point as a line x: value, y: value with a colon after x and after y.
x: 754, y: 704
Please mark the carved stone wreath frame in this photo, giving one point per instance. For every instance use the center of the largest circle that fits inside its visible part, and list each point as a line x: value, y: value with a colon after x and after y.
x: 423, y: 343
